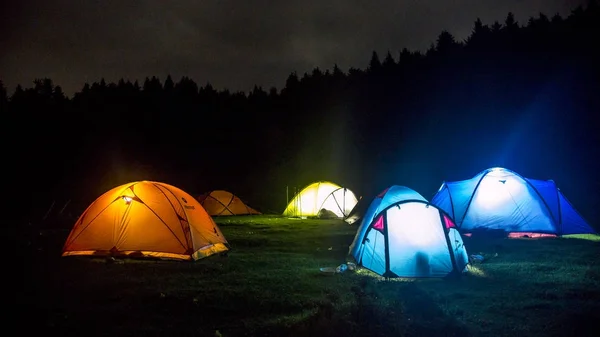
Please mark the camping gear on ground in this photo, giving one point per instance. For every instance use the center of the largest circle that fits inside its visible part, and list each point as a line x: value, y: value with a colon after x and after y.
x: 500, y: 199
x: 402, y: 235
x: 146, y: 219
x: 339, y: 269
x: 223, y: 203
x: 481, y: 257
x: 476, y: 258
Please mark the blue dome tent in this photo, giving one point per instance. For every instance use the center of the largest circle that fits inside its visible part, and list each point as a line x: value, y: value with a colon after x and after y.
x: 499, y: 199
x: 402, y: 235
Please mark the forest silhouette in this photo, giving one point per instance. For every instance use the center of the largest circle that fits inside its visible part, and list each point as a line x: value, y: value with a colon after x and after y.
x: 525, y: 96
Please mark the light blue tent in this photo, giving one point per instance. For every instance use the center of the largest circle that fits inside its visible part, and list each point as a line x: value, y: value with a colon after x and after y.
x: 402, y: 235
x: 500, y: 199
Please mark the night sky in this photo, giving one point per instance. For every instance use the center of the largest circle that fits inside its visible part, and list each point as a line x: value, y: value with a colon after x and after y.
x: 231, y: 44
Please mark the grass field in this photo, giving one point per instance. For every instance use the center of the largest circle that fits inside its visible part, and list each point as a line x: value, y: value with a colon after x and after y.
x: 270, y: 285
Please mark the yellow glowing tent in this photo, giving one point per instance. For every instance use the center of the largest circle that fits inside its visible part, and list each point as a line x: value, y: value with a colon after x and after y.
x: 217, y: 203
x: 146, y: 219
x: 322, y: 197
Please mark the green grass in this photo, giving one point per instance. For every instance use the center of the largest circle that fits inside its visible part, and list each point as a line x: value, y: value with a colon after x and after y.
x: 270, y: 285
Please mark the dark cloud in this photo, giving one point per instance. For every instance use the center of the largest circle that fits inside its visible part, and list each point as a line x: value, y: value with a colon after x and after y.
x: 230, y: 43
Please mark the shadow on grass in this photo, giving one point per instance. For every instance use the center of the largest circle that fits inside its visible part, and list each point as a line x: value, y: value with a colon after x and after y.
x: 539, y: 286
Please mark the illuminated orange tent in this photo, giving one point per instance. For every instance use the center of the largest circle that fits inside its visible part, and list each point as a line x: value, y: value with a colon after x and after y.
x: 224, y: 203
x: 146, y: 219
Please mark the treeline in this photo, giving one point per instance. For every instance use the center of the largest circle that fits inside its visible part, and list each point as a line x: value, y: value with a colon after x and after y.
x: 520, y: 95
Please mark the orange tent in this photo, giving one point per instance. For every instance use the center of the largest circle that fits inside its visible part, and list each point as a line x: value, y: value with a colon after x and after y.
x: 149, y: 219
x: 224, y: 203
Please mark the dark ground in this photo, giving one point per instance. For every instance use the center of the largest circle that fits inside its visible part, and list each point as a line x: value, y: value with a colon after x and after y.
x: 270, y: 285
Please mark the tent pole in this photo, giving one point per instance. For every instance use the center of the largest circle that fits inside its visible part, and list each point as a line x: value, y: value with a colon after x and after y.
x: 49, y: 209
x: 65, y: 206
x: 344, y: 204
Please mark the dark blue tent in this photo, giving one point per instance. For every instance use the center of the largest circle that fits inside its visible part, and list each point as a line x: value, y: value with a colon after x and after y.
x: 500, y: 199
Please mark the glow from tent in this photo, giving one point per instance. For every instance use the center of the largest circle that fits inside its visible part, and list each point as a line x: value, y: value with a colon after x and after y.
x: 321, y: 195
x: 312, y: 203
x: 367, y: 273
x: 127, y: 199
x: 330, y: 205
x: 417, y: 235
x: 590, y: 237
x: 493, y: 191
x: 307, y: 203
x: 530, y: 235
x: 476, y: 271
x: 343, y: 202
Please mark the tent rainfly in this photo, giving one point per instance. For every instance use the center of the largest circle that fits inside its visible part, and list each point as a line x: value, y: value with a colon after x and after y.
x: 402, y: 235
x: 146, y: 219
x: 501, y: 200
x: 222, y: 203
x: 322, y: 199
